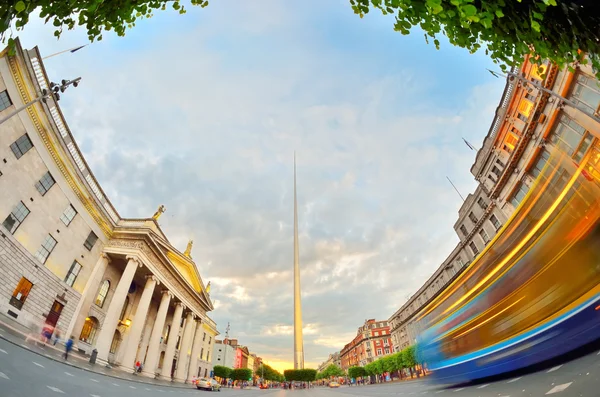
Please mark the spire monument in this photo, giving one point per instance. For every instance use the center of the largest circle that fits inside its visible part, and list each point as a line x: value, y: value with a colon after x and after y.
x: 298, y: 342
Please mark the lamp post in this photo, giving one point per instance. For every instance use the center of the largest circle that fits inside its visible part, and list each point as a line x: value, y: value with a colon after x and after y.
x: 511, y: 76
x: 53, y: 92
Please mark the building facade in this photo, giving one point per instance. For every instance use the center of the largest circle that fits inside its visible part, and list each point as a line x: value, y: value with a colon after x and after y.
x: 529, y: 125
x: 224, y: 354
x: 334, y: 358
x: 71, y: 262
x: 372, y: 341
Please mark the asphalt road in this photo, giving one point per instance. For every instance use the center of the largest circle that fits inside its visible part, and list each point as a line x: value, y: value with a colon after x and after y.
x: 24, y: 373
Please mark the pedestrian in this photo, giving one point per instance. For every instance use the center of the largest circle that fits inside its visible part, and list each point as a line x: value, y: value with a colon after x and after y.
x: 56, y: 336
x: 68, y: 347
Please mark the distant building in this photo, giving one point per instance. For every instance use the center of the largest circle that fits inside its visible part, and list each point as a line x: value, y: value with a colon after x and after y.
x: 372, y: 341
x: 333, y: 358
x: 224, y: 352
x: 527, y: 125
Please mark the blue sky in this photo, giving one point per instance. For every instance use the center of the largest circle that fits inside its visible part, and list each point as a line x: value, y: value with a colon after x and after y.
x: 202, y: 113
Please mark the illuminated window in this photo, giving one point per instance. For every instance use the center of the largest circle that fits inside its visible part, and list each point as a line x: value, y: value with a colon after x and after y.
x: 46, y: 249
x: 519, y: 195
x: 21, y: 293
x: 525, y: 107
x: 73, y: 273
x: 16, y: 217
x: 586, y: 92
x: 538, y: 72
x: 102, y: 293
x: 511, y: 141
x: 88, y: 332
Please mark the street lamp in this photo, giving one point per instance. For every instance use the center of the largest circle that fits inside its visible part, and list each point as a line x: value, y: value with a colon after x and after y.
x: 52, y: 92
x: 511, y: 76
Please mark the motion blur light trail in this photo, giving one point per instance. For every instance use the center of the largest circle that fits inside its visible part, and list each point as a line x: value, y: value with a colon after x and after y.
x: 533, y: 294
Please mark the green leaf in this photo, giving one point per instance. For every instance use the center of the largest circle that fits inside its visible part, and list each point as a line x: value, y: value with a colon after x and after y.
x: 437, y: 9
x: 499, y: 13
x: 20, y: 6
x: 535, y: 26
x: 469, y: 10
x: 537, y: 15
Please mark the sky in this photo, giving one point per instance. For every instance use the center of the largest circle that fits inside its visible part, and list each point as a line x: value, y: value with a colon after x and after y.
x: 202, y: 112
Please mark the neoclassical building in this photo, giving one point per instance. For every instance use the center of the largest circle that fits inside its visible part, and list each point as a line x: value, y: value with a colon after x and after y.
x: 70, y: 261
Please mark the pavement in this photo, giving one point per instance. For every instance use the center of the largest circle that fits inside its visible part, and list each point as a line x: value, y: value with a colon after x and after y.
x: 29, y: 370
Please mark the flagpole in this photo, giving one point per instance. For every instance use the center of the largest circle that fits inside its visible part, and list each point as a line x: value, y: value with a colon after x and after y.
x: 463, y: 199
x: 62, y: 52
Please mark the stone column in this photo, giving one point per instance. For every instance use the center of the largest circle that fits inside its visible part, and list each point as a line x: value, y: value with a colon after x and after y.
x: 193, y: 368
x: 137, y: 326
x: 172, y: 342
x: 186, y: 344
x: 87, y: 298
x: 114, y: 310
x: 154, y: 344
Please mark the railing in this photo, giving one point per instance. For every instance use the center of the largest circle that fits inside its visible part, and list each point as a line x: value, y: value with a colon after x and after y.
x: 58, y: 119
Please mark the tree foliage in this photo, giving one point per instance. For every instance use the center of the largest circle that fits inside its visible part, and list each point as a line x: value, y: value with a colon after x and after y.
x: 563, y: 31
x: 241, y: 374
x: 268, y: 373
x: 97, y: 16
x: 222, y: 372
x: 356, y: 372
x: 300, y: 375
x: 332, y: 370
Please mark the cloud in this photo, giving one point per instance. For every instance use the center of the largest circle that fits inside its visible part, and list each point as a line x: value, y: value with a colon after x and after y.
x: 203, y: 112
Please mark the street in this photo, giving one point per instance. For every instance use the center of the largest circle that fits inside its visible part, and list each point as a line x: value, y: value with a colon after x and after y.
x: 24, y: 373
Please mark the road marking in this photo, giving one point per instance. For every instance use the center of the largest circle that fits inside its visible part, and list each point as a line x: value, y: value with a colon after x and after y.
x: 55, y: 389
x: 24, y: 345
x: 559, y: 388
x: 513, y: 380
x: 554, y: 369
x: 3, y: 376
x: 483, y: 386
x: 133, y: 387
x: 1, y: 335
x: 2, y: 350
x: 39, y: 365
x: 440, y: 391
x: 94, y: 395
x: 147, y: 389
x: 68, y: 374
x: 462, y: 388
x: 115, y: 384
x: 94, y: 380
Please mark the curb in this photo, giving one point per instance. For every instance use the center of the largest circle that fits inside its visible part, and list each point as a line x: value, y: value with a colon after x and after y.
x: 81, y: 368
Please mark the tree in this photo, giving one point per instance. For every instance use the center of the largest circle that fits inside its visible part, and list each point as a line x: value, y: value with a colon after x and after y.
x: 562, y: 31
x: 356, y: 372
x: 241, y: 374
x: 221, y: 371
x: 408, y: 358
x: 268, y: 373
x: 308, y: 374
x: 96, y: 16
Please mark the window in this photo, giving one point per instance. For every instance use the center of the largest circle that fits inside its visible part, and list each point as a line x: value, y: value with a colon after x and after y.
x: 586, y: 92
x: 484, y: 236
x: 496, y: 171
x: 209, y: 339
x: 201, y: 353
x: 540, y: 163
x: 379, y: 352
x: 114, y: 346
x: 474, y: 248
x: 495, y: 222
x: 45, y: 183
x: 481, y: 202
x: 519, y: 195
x: 68, y: 215
x: 16, y: 217
x: 473, y: 218
x: 387, y: 350
x: 571, y: 137
x: 530, y: 97
x: 90, y: 241
x: 5, y: 101
x: 525, y: 108
x: 21, y: 146
x: 460, y: 263
x: 88, y: 332
x: 522, y: 117
x: 463, y: 230
x: 204, y: 337
x: 73, y: 273
x: 21, y: 293
x: 102, y: 293
x: 46, y: 249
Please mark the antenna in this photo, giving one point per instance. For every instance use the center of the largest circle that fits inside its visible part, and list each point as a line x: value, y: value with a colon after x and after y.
x: 227, y: 331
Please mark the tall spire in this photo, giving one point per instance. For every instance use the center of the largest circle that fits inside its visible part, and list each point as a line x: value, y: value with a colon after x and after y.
x: 298, y: 342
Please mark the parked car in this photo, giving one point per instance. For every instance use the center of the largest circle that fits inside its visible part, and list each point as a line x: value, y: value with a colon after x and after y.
x: 334, y: 384
x: 204, y: 384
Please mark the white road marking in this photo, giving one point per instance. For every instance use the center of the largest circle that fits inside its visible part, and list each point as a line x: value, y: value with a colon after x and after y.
x: 462, y: 388
x: 24, y: 345
x: 483, y: 386
x: 94, y: 395
x: 2, y: 350
x: 55, y: 389
x: 559, y: 388
x: 68, y: 374
x: 440, y: 391
x: 133, y: 387
x: 147, y: 389
x: 513, y: 380
x: 554, y: 369
x: 94, y: 380
x: 115, y: 384
x: 39, y: 365
x: 1, y: 335
x: 3, y: 376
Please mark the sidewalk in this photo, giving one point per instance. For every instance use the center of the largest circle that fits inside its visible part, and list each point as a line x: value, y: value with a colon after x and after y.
x: 15, y: 333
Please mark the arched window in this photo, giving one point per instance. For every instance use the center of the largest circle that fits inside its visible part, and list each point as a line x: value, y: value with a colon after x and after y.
x: 122, y: 316
x: 88, y: 333
x: 102, y: 293
x: 114, y: 346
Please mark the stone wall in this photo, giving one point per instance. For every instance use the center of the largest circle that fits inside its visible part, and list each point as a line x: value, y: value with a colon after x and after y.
x: 17, y: 262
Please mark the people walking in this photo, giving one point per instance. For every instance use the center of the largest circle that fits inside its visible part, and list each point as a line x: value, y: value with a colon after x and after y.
x: 56, y: 336
x: 68, y: 347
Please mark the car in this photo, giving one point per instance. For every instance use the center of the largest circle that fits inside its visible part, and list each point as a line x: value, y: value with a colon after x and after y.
x: 334, y: 384
x: 204, y: 384
x: 215, y: 385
